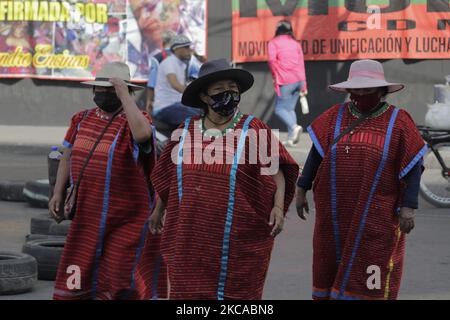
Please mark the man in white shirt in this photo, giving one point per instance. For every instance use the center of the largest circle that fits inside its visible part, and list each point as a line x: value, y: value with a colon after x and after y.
x: 155, y: 60
x: 170, y: 84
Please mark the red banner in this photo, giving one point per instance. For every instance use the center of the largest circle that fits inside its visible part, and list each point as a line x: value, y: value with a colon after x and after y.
x: 346, y: 30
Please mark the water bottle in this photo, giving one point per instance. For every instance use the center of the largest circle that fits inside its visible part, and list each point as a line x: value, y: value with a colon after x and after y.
x: 53, y: 162
x: 304, y: 103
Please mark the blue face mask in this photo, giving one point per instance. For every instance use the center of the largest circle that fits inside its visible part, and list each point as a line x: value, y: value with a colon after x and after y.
x: 225, y: 103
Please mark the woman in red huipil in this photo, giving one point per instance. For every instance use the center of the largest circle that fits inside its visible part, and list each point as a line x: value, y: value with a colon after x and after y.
x: 108, y: 243
x: 366, y: 163
x: 222, y: 216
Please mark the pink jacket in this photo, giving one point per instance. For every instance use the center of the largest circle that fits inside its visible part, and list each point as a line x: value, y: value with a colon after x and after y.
x: 286, y: 61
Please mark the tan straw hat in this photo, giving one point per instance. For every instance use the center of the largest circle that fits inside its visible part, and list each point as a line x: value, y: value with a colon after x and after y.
x: 112, y: 70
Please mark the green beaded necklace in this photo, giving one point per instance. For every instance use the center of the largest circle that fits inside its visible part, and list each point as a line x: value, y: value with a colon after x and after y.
x: 232, y: 125
x: 355, y: 112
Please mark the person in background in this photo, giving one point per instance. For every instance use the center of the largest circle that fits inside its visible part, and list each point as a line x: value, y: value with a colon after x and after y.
x: 288, y: 71
x: 365, y: 163
x: 167, y: 38
x: 195, y: 63
x: 172, y: 79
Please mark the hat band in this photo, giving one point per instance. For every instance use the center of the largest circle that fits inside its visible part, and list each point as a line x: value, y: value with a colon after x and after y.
x: 107, y: 79
x: 181, y: 45
x: 367, y: 74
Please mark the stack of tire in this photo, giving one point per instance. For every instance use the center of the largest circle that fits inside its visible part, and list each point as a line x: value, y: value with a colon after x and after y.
x: 45, y: 243
x: 35, y: 192
x: 18, y: 272
x: 12, y: 191
x: 43, y: 246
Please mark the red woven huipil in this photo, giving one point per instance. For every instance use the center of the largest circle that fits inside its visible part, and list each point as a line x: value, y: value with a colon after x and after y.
x: 108, y: 233
x: 357, y: 192
x: 212, y: 251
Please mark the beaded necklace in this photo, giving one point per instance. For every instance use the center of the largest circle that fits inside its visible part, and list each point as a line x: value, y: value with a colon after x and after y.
x: 232, y: 125
x: 356, y: 113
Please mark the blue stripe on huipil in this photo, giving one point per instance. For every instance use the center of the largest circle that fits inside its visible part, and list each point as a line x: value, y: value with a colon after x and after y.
x: 144, y: 232
x: 337, y: 296
x: 334, y: 218
x: 230, y: 209
x: 413, y: 162
x: 320, y: 294
x: 316, y: 142
x: 369, y: 202
x: 180, y: 159
x: 333, y: 295
x: 67, y: 144
x: 99, y: 248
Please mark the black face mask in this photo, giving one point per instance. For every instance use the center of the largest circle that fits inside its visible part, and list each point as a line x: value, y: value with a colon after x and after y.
x: 225, y: 103
x: 107, y: 101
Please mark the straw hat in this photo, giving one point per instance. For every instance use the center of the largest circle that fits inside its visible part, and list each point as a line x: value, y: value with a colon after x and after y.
x: 112, y: 70
x: 366, y: 74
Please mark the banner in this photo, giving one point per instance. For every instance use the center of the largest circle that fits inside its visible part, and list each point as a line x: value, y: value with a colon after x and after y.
x: 345, y: 29
x: 72, y: 39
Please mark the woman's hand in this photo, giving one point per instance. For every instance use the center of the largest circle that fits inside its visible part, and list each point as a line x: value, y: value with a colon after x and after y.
x: 156, y: 222
x: 301, y: 203
x: 54, y: 206
x: 406, y: 219
x: 120, y: 86
x: 276, y: 220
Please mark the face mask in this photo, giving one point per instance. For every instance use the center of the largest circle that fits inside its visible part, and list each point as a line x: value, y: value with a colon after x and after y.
x: 366, y: 102
x: 107, y: 101
x: 225, y: 103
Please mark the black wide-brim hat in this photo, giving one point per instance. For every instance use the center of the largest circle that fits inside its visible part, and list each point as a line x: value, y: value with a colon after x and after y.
x: 213, y: 71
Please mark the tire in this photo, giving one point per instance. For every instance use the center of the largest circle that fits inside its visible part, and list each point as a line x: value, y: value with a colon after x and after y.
x: 31, y: 237
x: 60, y: 229
x: 18, y: 272
x: 47, y: 253
x: 36, y: 193
x: 41, y: 224
x: 432, y: 177
x: 12, y: 191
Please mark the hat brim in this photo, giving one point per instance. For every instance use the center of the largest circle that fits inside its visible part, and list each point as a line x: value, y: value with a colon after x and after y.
x: 184, y: 45
x: 109, y: 84
x: 364, y: 83
x: 191, y: 97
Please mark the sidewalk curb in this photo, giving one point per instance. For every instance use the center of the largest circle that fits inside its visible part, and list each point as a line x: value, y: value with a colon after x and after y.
x: 15, y: 135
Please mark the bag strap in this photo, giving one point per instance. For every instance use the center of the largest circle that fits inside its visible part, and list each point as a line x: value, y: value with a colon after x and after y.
x: 352, y: 126
x: 356, y: 123
x: 91, y: 153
